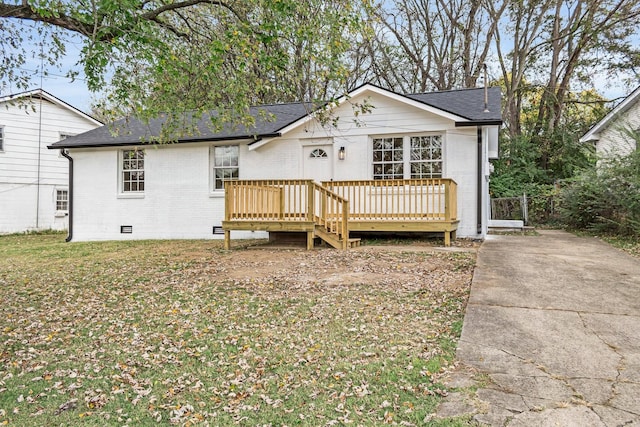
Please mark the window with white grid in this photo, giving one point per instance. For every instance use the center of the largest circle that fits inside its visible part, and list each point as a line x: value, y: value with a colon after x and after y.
x: 388, y: 158
x: 225, y: 164
x: 132, y: 176
x: 426, y: 156
x: 404, y: 157
x: 62, y: 200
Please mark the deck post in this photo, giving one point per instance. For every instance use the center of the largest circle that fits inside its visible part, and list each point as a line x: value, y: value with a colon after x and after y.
x: 447, y: 202
x: 227, y: 240
x: 281, y: 204
x: 345, y: 225
x: 310, y: 237
x: 310, y: 200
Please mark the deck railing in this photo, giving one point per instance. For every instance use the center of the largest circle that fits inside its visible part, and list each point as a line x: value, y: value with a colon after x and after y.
x: 399, y: 199
x: 333, y: 206
x: 286, y: 200
x: 268, y: 200
x: 331, y: 211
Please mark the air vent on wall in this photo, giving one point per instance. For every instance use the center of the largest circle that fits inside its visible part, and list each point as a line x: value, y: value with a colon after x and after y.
x: 126, y: 229
x: 218, y: 230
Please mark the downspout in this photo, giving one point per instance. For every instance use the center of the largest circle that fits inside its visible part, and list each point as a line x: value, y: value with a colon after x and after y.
x: 70, y: 201
x: 479, y: 184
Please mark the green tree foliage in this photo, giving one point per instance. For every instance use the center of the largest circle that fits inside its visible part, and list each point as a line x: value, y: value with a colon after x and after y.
x: 534, y: 162
x: 194, y: 55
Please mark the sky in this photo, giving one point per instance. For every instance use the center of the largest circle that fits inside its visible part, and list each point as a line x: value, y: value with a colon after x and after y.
x: 54, y: 80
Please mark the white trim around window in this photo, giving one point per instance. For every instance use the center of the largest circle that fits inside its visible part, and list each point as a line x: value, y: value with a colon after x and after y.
x: 407, y: 156
x: 224, y: 164
x: 61, y: 201
x: 131, y: 173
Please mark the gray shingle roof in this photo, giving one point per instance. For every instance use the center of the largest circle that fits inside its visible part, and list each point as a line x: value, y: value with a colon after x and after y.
x: 467, y: 103
x: 270, y: 119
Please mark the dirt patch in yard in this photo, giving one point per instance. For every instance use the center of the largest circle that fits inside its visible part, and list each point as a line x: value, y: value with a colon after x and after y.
x: 328, y: 267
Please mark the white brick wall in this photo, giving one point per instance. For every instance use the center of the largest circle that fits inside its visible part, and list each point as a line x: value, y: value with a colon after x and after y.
x: 177, y: 200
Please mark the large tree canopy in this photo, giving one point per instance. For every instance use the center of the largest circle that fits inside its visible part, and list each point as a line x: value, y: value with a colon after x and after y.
x: 193, y: 55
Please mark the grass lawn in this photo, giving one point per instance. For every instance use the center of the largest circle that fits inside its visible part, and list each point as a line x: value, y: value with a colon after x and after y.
x: 182, y: 332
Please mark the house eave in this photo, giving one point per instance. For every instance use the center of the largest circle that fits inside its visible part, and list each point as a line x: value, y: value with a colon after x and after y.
x: 252, y: 138
x: 471, y: 123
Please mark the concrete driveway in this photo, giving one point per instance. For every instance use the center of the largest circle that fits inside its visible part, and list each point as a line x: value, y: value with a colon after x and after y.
x: 554, y: 321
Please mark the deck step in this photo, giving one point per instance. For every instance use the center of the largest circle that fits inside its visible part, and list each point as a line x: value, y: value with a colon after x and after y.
x: 354, y: 242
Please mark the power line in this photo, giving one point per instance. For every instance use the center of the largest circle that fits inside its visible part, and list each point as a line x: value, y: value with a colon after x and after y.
x: 51, y: 75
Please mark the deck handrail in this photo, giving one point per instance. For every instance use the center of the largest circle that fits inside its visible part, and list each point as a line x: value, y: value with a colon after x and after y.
x: 287, y: 200
x: 267, y: 199
x: 332, y: 212
x: 399, y: 199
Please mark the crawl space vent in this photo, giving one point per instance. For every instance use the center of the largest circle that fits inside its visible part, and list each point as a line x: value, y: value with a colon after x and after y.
x: 126, y: 229
x: 218, y: 230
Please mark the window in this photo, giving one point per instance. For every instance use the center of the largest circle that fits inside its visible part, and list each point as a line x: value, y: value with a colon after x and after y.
x: 423, y: 158
x: 1, y: 138
x: 225, y: 165
x: 388, y: 159
x: 426, y: 156
x: 62, y: 200
x: 318, y: 153
x: 132, y: 171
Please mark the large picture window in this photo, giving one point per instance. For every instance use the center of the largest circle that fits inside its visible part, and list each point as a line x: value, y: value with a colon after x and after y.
x: 132, y: 171
x: 407, y: 157
x: 225, y: 165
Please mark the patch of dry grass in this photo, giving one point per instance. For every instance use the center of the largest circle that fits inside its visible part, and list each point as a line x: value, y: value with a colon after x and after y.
x: 137, y: 333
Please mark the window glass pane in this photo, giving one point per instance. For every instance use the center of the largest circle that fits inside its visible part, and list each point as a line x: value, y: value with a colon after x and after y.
x: 132, y: 170
x: 388, y: 158
x: 225, y: 164
x: 426, y: 156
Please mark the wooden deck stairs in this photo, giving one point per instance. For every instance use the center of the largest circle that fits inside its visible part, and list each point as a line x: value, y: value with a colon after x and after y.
x: 334, y: 240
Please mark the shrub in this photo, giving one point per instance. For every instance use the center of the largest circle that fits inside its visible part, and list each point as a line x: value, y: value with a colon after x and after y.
x: 605, y: 199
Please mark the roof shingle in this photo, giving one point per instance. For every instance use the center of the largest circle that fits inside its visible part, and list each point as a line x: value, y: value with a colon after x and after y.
x: 271, y: 119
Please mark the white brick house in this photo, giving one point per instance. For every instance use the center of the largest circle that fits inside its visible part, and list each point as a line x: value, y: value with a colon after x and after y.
x: 34, y: 181
x: 125, y: 188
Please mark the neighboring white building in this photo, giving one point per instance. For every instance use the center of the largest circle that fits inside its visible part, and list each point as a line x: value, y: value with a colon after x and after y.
x: 611, y: 135
x: 124, y: 188
x: 34, y: 181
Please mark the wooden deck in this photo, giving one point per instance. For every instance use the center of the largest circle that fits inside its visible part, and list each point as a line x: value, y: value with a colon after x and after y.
x: 333, y: 209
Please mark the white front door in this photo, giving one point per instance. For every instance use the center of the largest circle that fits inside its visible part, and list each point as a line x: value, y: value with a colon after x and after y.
x: 318, y: 162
